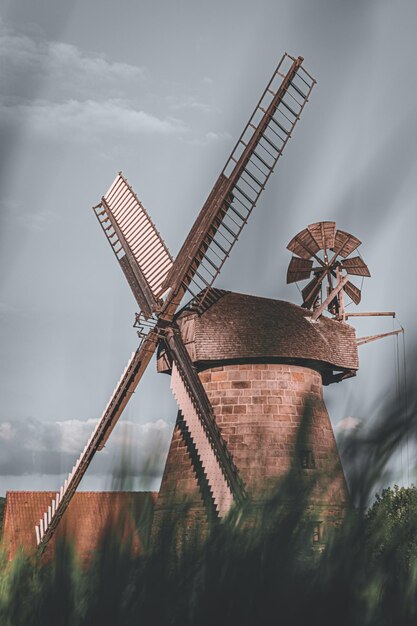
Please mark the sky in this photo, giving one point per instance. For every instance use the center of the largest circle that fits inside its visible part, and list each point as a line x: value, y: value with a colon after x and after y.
x: 162, y: 91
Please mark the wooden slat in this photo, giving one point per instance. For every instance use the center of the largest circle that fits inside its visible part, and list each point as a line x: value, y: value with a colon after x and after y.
x: 345, y: 243
x: 140, y: 240
x: 324, y: 234
x: 303, y: 244
x: 356, y: 266
x: 298, y: 269
x: 353, y: 292
x: 310, y: 292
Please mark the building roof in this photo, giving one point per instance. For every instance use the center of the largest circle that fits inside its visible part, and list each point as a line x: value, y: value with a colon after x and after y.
x: 240, y: 327
x: 88, y: 516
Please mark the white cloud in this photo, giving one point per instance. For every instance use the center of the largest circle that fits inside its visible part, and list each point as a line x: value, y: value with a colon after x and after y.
x: 72, y: 435
x: 34, y: 447
x: 37, y: 221
x: 188, y: 102
x: 158, y: 426
x: 6, y: 431
x: 62, y: 56
x: 18, y: 50
x: 348, y: 424
x: 83, y: 95
x: 75, y: 120
x: 66, y: 68
x: 212, y: 136
x: 133, y: 436
x: 207, y: 138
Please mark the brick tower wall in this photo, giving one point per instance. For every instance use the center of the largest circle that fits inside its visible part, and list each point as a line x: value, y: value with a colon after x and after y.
x: 262, y: 414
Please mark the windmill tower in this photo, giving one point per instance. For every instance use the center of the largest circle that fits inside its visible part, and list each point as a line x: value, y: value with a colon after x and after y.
x: 220, y: 347
x: 262, y: 364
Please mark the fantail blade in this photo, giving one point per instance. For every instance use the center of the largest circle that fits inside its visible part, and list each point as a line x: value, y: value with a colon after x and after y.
x: 298, y: 269
x: 355, y: 266
x: 353, y: 292
x: 323, y: 233
x: 345, y: 243
x: 310, y: 292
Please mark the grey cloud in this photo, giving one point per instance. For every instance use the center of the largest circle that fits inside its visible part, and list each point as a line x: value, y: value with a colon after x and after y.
x: 70, y: 73
x: 36, y: 221
x: 177, y: 103
x: 84, y: 95
x: 207, y: 138
x: 35, y: 447
x: 81, y: 121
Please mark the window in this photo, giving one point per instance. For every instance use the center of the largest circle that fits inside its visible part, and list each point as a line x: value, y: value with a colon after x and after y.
x: 307, y: 459
x: 317, y: 532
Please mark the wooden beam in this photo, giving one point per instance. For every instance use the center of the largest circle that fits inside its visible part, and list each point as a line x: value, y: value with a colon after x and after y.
x: 329, y: 298
x: 362, y: 340
x: 372, y: 314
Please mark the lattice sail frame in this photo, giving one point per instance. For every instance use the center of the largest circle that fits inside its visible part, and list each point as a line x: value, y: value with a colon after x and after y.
x: 159, y: 284
x: 241, y: 182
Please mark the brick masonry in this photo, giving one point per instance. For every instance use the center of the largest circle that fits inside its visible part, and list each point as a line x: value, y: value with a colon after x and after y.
x: 270, y: 416
x: 88, y: 517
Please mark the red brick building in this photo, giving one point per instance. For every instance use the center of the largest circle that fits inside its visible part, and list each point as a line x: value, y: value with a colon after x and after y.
x: 89, y: 515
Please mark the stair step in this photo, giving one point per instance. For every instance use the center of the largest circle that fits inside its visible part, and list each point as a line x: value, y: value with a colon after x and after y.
x: 222, y: 495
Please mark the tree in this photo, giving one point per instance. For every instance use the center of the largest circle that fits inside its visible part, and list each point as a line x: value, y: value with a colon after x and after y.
x: 391, y: 527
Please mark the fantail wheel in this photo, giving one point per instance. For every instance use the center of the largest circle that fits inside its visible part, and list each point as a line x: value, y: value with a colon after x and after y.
x: 324, y: 253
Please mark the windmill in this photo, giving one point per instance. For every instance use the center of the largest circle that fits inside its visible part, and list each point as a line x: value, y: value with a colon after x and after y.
x: 160, y: 283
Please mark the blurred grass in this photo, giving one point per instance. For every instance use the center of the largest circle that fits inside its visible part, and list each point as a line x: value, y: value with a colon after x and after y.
x: 267, y: 571
x: 2, y: 505
x: 258, y: 567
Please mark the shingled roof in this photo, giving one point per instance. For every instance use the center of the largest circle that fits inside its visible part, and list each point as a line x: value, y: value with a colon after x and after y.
x: 88, y: 516
x: 244, y: 328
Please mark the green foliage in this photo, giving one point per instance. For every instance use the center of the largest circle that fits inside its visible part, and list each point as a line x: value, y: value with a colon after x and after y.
x: 251, y: 569
x: 392, y: 527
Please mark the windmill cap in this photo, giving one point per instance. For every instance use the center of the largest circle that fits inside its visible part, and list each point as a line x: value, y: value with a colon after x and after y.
x: 239, y: 328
